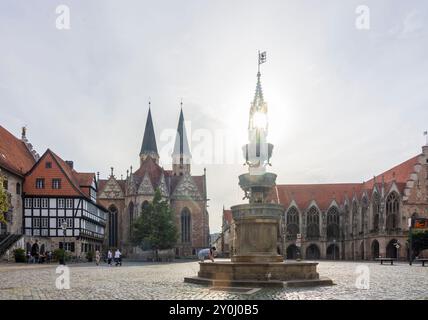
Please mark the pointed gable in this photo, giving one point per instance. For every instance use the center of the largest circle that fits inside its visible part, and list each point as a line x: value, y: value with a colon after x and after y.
x: 57, y: 169
x: 110, y: 189
x: 186, y: 188
x: 163, y: 186
x: 146, y: 186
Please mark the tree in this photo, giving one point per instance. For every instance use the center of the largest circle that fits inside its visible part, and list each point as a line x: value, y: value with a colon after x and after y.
x: 419, y: 241
x: 155, y: 228
x: 4, y: 202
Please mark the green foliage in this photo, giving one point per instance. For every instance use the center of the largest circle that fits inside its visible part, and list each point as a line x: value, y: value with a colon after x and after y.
x: 4, y: 201
x: 90, y: 256
x: 419, y: 240
x: 19, y: 255
x: 60, y: 254
x: 155, y: 228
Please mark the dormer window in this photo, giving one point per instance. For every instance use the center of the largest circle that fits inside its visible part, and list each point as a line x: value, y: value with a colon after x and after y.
x: 56, y: 183
x: 40, y: 183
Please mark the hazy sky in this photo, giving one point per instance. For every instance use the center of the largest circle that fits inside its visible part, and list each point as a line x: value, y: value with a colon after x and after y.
x: 344, y: 104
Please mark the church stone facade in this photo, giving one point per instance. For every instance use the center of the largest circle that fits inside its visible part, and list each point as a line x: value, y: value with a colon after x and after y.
x: 186, y: 194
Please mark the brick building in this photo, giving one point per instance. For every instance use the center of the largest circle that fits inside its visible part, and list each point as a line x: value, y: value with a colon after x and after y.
x: 186, y: 194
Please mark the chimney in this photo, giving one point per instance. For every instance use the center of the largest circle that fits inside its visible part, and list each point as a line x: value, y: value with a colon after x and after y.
x: 24, y: 134
x: 70, y: 164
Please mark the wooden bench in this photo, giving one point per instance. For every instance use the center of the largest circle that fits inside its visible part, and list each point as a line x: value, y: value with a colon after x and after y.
x: 423, y: 260
x: 385, y: 259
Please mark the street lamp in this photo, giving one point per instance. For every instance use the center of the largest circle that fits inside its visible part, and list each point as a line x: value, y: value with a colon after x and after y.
x: 64, y: 228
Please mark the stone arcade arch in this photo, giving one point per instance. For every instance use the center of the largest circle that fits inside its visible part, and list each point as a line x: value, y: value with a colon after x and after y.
x: 391, y: 250
x: 362, y: 250
x: 375, y: 249
x: 292, y: 252
x: 313, y: 252
x: 333, y: 252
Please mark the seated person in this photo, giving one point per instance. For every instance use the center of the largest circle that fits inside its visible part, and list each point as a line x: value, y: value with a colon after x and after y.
x: 206, y: 253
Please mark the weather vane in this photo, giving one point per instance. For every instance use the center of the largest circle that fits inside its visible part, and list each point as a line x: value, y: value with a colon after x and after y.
x: 262, y: 59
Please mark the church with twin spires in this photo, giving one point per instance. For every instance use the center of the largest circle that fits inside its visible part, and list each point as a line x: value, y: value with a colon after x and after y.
x: 186, y: 194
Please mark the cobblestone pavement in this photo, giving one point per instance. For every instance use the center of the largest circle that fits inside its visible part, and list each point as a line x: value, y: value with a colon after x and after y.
x: 165, y: 281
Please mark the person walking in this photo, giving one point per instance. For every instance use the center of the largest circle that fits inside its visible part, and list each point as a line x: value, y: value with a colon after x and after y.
x: 109, y: 257
x: 35, y: 252
x: 206, y: 253
x: 97, y: 257
x: 118, y: 257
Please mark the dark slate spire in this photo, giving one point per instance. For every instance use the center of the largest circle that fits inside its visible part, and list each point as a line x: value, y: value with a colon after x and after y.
x: 149, y: 146
x: 181, y: 146
x: 181, y: 156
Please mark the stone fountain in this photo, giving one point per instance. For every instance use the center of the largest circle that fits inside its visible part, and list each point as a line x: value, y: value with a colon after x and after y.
x: 255, y: 261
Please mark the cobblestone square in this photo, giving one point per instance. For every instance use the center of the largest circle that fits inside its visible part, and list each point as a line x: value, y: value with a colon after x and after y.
x: 137, y: 280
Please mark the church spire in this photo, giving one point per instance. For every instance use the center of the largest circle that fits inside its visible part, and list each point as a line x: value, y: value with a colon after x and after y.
x: 149, y: 147
x: 181, y: 155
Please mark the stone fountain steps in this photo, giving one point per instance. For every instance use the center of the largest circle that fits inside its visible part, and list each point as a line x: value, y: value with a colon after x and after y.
x: 259, y: 283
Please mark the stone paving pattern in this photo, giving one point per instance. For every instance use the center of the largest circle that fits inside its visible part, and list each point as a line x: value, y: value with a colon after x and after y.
x: 137, y: 280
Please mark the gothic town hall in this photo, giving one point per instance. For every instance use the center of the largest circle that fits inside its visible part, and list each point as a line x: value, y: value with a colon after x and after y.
x: 186, y: 194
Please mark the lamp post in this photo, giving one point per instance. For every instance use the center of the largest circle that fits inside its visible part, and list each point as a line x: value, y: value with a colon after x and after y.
x: 64, y: 228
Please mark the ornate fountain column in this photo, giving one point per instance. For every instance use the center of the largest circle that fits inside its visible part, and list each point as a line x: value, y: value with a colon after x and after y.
x: 257, y: 223
x: 256, y: 261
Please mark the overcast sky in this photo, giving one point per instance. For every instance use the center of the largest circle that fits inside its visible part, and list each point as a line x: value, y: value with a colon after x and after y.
x: 344, y: 103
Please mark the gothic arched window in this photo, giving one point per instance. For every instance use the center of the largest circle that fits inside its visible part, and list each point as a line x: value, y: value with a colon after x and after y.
x: 313, y: 223
x: 392, y: 207
x: 145, y: 205
x: 131, y: 216
x: 112, y: 226
x: 185, y: 225
x: 354, y: 218
x: 292, y: 223
x: 363, y: 213
x: 333, y: 223
x: 376, y: 211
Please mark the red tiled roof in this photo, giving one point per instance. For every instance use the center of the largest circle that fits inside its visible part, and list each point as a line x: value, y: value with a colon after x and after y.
x: 14, y: 155
x: 84, y: 178
x: 199, y: 181
x: 76, y: 183
x: 150, y: 167
x: 323, y: 194
x: 399, y: 174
